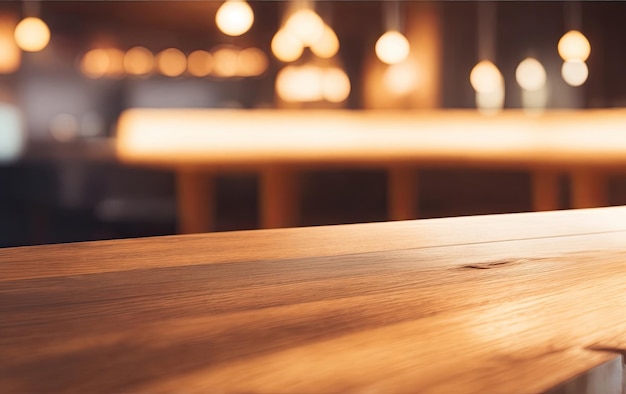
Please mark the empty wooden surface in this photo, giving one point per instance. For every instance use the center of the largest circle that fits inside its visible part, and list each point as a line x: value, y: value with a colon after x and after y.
x: 507, y: 303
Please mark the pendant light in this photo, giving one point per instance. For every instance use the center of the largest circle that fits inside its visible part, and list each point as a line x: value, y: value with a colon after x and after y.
x: 392, y: 47
x: 31, y: 33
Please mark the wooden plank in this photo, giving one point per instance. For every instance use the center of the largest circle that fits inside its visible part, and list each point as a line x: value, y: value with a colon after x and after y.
x: 222, y: 248
x: 442, y: 316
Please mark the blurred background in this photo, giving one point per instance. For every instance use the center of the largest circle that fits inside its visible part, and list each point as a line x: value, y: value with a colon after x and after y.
x: 68, y: 69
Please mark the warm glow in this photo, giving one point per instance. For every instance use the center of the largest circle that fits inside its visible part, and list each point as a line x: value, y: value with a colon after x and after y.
x: 328, y: 44
x: 574, y: 72
x: 534, y: 102
x: 490, y: 103
x: 400, y: 79
x: 392, y: 47
x: 300, y: 84
x: 171, y: 62
x: 310, y: 83
x: 11, y: 55
x: 225, y: 61
x: 286, y: 46
x: 343, y: 136
x: 574, y: 46
x: 251, y: 62
x: 32, y: 34
x: 64, y: 127
x: 11, y: 133
x: 530, y: 74
x: 335, y: 85
x: 199, y: 63
x: 138, y: 61
x: 116, y: 63
x: 306, y: 25
x: 95, y: 63
x: 234, y: 17
x: 486, y: 78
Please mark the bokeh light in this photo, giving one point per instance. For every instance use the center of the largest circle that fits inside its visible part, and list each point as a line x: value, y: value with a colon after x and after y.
x: 490, y: 103
x: 300, y: 84
x: 64, y: 127
x: 286, y: 47
x: 11, y: 56
x: 310, y: 83
x: 234, y: 17
x: 116, y: 63
x: 328, y: 44
x: 306, y: 25
x: 335, y: 85
x: 486, y: 78
x: 251, y: 62
x: 392, y: 47
x: 225, y: 61
x: 530, y: 74
x: 574, y: 72
x: 574, y: 46
x: 12, y: 137
x: 401, y: 78
x: 138, y: 61
x: 95, y: 63
x: 32, y: 34
x: 171, y: 62
x: 199, y: 63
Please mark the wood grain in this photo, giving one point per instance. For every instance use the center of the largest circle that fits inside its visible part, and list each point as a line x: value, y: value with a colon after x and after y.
x: 507, y: 303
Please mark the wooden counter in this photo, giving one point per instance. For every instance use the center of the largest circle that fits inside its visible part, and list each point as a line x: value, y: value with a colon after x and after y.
x: 486, y: 304
x: 584, y: 145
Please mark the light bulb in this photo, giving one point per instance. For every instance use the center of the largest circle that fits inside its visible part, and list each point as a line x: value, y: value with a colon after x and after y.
x: 11, y: 55
x: 116, y: 63
x: 286, y: 46
x: 171, y: 62
x: 328, y: 44
x: 300, y: 84
x: 486, y: 78
x: 392, y: 47
x: 251, y: 62
x: 225, y: 61
x: 335, y: 85
x: 574, y: 46
x: 574, y: 72
x: 95, y: 63
x: 400, y: 79
x: 138, y: 61
x: 199, y: 63
x: 530, y: 74
x: 32, y: 34
x: 306, y: 25
x: 234, y: 17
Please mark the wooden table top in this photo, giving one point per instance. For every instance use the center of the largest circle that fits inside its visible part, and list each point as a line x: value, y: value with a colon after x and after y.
x: 213, y: 137
x: 506, y: 303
